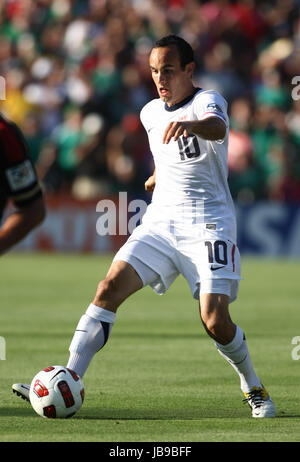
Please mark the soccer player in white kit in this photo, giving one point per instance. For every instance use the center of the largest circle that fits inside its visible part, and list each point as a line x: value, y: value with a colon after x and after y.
x: 189, y: 228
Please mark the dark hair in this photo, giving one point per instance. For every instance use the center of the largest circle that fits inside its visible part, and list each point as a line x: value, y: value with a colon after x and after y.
x: 184, y: 49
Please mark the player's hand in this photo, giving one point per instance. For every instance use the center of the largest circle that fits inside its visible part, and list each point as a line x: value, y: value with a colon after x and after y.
x: 150, y: 183
x: 175, y: 130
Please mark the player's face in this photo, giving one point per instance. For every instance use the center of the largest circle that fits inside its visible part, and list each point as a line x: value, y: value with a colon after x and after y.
x: 172, y: 82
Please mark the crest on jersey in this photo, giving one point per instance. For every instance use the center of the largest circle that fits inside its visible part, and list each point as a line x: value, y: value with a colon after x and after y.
x: 214, y: 107
x: 20, y: 176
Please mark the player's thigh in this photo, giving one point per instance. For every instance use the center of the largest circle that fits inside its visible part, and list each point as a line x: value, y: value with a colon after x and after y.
x: 120, y: 282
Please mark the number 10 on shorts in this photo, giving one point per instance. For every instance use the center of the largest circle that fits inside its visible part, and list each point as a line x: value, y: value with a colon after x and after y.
x: 217, y: 252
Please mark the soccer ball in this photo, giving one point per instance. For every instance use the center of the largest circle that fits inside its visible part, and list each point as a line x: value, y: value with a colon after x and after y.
x: 56, y: 392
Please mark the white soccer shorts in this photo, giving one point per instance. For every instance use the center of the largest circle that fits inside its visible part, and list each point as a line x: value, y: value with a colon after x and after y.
x: 209, y: 263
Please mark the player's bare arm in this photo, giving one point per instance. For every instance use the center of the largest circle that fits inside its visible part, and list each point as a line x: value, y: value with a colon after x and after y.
x: 211, y: 129
x: 20, y: 223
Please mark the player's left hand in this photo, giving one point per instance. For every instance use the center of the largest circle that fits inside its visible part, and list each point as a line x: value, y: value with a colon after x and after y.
x: 175, y: 130
x: 150, y: 183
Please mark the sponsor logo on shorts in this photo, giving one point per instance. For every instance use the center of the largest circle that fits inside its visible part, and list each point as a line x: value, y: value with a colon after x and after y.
x: 215, y: 268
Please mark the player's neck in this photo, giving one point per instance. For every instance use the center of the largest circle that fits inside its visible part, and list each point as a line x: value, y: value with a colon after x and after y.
x: 173, y: 106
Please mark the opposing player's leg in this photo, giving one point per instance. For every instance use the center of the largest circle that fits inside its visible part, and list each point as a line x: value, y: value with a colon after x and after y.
x: 231, y: 343
x: 95, y: 325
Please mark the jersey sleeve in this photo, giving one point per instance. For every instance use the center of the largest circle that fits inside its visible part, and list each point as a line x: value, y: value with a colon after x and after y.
x: 19, y: 176
x: 211, y: 104
x: 22, y: 183
x: 144, y: 117
x: 149, y: 112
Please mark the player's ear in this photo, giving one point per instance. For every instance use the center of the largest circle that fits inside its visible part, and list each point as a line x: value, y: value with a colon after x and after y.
x: 190, y: 68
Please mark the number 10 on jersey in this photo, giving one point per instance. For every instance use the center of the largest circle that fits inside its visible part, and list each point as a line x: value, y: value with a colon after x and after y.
x: 188, y: 147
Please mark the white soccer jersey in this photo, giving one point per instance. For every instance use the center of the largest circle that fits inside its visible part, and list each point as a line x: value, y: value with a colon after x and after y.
x: 191, y: 173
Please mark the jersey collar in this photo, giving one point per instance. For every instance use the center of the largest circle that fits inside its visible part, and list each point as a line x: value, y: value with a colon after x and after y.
x: 176, y: 106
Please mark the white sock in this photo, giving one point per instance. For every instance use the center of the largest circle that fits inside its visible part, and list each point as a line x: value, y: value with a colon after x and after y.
x: 237, y: 354
x: 90, y: 336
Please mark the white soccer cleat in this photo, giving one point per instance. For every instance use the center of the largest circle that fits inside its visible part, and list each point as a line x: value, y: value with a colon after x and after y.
x: 22, y: 390
x: 260, y: 402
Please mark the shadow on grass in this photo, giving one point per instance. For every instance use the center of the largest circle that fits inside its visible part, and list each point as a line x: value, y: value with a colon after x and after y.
x: 147, y: 414
x: 174, y: 414
x: 152, y: 415
x: 97, y: 413
x: 27, y: 411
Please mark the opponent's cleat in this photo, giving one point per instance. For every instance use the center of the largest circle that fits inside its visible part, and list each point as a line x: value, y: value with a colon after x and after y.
x: 260, y: 402
x: 22, y: 390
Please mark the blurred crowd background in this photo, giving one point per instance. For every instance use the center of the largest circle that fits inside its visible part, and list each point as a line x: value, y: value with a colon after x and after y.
x: 77, y: 76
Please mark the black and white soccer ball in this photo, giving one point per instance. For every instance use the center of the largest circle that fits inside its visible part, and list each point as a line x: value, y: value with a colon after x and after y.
x: 56, y: 392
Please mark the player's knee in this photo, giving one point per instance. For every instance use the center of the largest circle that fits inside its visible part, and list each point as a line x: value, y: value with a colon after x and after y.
x: 215, y: 324
x: 212, y: 325
x: 215, y: 314
x: 105, y: 291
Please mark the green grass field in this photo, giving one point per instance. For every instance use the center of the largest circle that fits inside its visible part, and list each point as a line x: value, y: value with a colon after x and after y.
x: 159, y: 378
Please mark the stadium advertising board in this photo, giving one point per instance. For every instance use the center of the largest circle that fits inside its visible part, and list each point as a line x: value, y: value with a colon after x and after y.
x: 264, y: 228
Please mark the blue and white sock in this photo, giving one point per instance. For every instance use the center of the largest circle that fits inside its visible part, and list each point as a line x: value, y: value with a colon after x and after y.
x: 90, y: 336
x: 237, y: 354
